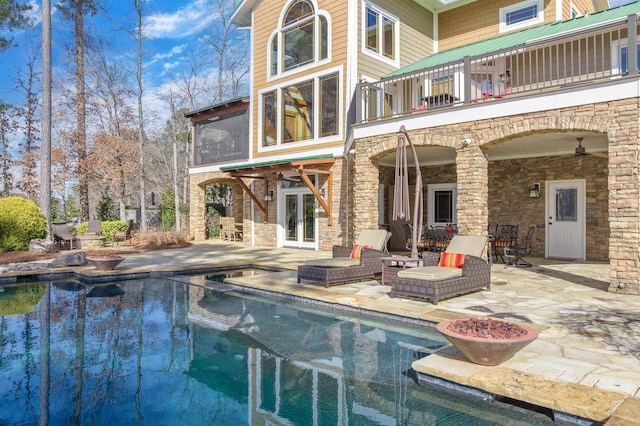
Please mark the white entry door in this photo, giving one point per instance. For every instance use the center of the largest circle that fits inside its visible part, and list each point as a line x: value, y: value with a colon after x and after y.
x: 565, y: 224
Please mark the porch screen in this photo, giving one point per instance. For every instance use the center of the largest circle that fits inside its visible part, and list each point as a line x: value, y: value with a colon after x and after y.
x: 222, y: 138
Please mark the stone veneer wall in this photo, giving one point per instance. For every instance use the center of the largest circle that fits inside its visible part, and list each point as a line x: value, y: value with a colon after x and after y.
x: 510, y: 181
x: 618, y: 119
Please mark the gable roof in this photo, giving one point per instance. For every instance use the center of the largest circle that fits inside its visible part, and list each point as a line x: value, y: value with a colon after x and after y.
x: 517, y: 38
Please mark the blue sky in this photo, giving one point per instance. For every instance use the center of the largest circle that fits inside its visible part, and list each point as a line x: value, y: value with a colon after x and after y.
x: 171, y: 30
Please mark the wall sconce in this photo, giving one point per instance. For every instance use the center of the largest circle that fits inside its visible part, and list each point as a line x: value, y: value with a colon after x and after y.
x: 269, y: 196
x: 322, y: 192
x: 534, y: 192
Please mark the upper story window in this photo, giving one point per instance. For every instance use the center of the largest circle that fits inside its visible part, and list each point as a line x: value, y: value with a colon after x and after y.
x: 521, y: 15
x: 300, y: 111
x: 620, y: 57
x: 303, y: 38
x: 381, y: 33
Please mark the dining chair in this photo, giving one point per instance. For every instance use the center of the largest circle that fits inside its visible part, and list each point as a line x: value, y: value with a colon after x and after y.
x: 504, y: 236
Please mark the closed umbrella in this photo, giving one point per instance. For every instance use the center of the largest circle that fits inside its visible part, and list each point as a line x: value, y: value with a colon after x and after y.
x: 401, y: 203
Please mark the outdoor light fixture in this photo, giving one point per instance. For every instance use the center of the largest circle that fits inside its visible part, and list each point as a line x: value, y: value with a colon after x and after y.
x: 322, y: 192
x: 534, y: 192
x: 466, y: 142
x: 269, y: 196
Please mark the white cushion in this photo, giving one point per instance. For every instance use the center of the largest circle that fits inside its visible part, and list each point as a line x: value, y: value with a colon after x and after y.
x: 430, y: 273
x: 472, y: 245
x: 376, y: 238
x: 333, y: 262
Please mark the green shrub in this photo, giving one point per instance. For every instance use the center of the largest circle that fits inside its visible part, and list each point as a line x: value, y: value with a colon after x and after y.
x: 106, y: 227
x: 20, y: 221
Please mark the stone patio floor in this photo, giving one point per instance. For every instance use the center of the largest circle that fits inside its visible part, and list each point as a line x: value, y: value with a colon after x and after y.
x: 585, y: 362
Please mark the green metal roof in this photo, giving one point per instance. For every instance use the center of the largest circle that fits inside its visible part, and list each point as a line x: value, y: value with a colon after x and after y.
x: 273, y: 163
x: 518, y: 38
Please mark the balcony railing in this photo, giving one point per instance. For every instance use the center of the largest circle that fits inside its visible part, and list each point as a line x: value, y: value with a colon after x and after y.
x: 583, y: 56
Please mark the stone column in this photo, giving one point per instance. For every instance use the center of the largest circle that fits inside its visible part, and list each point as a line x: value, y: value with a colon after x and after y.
x: 473, y: 190
x: 624, y: 203
x: 366, y: 182
x: 196, y: 211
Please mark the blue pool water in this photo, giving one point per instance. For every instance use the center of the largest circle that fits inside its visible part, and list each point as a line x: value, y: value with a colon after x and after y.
x: 161, y: 352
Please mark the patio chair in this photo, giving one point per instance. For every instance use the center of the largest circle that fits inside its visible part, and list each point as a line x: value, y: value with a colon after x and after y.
x: 505, y: 236
x: 118, y: 236
x: 515, y: 255
x: 362, y: 261
x: 94, y: 228
x: 62, y: 235
x: 460, y: 269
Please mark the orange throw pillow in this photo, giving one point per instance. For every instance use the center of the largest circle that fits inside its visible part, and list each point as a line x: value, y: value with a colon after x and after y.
x: 357, y: 248
x: 451, y: 260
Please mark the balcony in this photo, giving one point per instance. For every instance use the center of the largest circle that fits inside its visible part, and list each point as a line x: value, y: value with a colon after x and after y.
x: 554, y: 57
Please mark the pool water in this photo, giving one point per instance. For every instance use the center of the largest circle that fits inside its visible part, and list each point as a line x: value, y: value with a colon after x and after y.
x: 161, y: 352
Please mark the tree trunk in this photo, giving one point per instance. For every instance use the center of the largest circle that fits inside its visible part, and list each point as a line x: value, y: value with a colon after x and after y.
x: 81, y: 132
x: 45, y: 166
x: 143, y: 209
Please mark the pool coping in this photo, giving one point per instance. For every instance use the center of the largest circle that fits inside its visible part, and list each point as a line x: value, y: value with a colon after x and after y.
x: 590, y: 404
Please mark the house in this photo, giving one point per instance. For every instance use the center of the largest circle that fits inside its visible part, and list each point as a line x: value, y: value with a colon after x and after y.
x: 521, y: 112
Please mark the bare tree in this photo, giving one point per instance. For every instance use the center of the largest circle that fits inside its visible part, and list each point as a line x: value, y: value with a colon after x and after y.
x: 5, y: 155
x: 76, y: 9
x: 228, y: 44
x: 28, y: 83
x: 141, y: 136
x: 45, y: 156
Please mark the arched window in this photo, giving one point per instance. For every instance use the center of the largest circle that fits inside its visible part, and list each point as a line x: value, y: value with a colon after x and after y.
x: 301, y: 39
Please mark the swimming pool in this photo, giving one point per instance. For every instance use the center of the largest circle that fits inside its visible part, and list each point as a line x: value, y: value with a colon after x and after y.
x: 161, y: 352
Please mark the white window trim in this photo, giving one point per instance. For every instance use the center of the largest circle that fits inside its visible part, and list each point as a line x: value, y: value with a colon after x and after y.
x: 431, y: 206
x: 317, y: 48
x: 316, y: 123
x: 395, y: 62
x: 574, y: 11
x: 503, y: 15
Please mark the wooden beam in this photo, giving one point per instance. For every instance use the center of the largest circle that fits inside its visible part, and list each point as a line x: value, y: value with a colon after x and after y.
x: 314, y: 191
x: 255, y: 199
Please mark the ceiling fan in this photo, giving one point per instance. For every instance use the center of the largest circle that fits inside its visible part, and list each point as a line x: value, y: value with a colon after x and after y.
x: 282, y: 178
x: 580, y: 152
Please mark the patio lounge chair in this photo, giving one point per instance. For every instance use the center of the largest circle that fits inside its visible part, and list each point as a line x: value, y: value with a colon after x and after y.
x: 462, y: 269
x: 118, y: 236
x: 344, y: 265
x: 94, y: 228
x: 62, y: 235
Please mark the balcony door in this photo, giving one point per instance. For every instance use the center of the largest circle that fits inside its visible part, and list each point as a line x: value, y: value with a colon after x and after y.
x: 565, y: 224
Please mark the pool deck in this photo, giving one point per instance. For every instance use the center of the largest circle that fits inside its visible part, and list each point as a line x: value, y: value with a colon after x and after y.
x: 585, y: 362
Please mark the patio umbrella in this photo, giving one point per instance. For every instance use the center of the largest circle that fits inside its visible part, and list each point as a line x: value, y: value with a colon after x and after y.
x: 401, y: 203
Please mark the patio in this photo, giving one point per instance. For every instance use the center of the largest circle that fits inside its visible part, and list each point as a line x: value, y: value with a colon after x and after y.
x: 583, y: 363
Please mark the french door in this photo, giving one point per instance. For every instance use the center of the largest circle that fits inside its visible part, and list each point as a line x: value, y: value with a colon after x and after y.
x: 299, y: 219
x: 565, y: 224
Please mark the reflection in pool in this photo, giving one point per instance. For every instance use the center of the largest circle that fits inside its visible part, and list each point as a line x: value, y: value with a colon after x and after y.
x: 160, y: 352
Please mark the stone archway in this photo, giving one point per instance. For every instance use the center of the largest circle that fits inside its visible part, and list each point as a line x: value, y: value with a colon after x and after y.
x: 619, y: 120
x: 197, y: 205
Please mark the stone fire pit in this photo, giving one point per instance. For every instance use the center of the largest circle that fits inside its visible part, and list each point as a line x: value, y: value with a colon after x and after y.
x: 105, y: 262
x: 487, y: 341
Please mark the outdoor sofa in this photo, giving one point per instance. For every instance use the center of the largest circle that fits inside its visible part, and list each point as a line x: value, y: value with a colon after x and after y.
x: 464, y: 270
x: 344, y: 266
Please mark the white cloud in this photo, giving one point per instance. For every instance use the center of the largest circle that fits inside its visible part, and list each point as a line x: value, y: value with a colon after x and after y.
x: 182, y: 23
x: 176, y: 50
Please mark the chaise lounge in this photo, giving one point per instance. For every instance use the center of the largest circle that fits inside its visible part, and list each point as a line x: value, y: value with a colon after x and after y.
x: 459, y: 269
x: 360, y: 262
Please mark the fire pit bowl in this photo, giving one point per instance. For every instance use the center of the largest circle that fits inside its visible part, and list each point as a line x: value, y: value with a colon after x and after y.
x: 105, y: 262
x: 487, y: 341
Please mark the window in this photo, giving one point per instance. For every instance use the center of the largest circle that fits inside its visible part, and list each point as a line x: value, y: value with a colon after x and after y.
x: 624, y: 61
x: 381, y: 33
x: 300, y: 111
x: 521, y: 15
x: 302, y: 39
x: 442, y: 199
